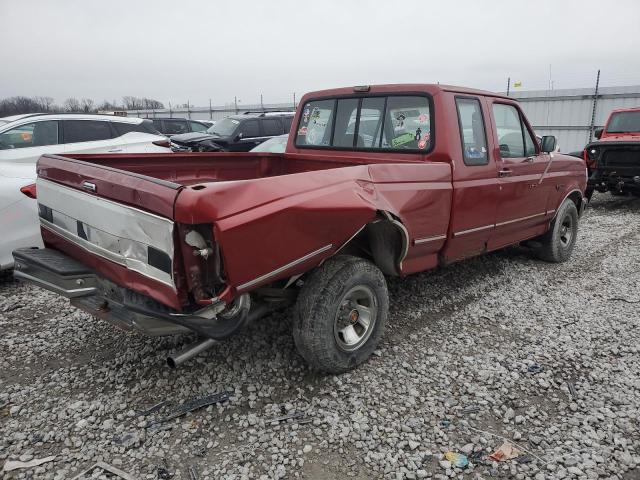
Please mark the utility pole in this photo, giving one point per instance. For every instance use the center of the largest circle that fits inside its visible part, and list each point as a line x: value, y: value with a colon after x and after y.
x: 188, y: 110
x: 593, y: 111
x: 210, y: 111
x: 261, y: 104
x: 235, y: 102
x: 508, y: 85
x: 294, y: 100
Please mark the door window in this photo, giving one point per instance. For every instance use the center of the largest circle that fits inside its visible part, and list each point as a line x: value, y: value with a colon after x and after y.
x: 198, y: 127
x: 529, y: 142
x: 472, y: 131
x: 175, y: 127
x: 36, y: 134
x: 272, y: 127
x: 86, y: 131
x: 509, y: 129
x: 286, y: 122
x: 250, y: 129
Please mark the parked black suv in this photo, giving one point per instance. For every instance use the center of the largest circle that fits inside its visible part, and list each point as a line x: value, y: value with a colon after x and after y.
x: 237, y: 133
x: 176, y: 126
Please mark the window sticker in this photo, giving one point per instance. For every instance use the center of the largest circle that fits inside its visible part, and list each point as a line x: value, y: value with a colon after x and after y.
x: 305, y: 116
x: 302, y: 131
x: 423, y: 118
x: 424, y: 141
x: 403, y: 139
x: 235, y: 122
x: 418, y: 134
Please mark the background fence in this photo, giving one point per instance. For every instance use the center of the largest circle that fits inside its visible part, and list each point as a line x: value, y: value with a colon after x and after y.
x: 565, y: 113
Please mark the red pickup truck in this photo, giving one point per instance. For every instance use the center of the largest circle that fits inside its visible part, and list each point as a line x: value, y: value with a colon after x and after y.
x: 375, y: 181
x: 614, y: 159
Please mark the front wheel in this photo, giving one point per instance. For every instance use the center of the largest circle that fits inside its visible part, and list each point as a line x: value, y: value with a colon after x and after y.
x: 340, y: 314
x: 557, y: 244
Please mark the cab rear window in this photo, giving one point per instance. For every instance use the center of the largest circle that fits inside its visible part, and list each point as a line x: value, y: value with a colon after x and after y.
x: 395, y: 122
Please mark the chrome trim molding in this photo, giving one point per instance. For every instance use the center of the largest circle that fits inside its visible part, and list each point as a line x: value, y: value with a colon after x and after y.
x: 419, y: 241
x: 472, y: 230
x: 283, y: 268
x: 521, y: 219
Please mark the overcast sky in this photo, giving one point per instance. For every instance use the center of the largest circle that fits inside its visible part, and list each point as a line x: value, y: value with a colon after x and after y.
x: 194, y: 50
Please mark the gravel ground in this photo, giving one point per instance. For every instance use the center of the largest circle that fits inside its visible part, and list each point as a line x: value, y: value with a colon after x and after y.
x: 546, y: 356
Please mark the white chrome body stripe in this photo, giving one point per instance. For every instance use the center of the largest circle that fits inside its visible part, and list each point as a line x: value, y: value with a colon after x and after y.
x: 473, y: 230
x: 419, y: 241
x: 283, y: 268
x: 521, y: 219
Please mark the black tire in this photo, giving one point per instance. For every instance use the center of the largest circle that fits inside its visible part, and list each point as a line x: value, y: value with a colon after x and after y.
x: 338, y: 294
x: 557, y: 244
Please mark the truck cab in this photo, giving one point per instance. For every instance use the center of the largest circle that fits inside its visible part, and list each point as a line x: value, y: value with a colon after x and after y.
x: 375, y: 181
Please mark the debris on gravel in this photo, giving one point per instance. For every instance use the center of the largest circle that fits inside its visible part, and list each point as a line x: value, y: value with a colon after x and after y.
x: 498, y: 349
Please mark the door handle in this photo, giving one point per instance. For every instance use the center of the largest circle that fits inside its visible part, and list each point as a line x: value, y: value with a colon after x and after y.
x: 505, y: 172
x: 115, y: 150
x: 529, y: 159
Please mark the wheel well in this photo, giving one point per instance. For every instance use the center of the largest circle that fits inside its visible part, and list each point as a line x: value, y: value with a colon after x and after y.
x: 384, y: 241
x: 576, y: 197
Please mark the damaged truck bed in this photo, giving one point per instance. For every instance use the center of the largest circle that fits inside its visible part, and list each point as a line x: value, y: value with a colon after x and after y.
x: 375, y: 181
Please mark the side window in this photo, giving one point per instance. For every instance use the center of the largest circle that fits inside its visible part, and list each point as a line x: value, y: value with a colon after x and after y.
x: 345, y: 123
x: 198, y: 127
x: 250, y: 129
x: 316, y: 123
x: 529, y: 143
x: 36, y: 134
x: 286, y: 122
x: 509, y: 129
x: 472, y: 131
x: 272, y: 127
x: 175, y: 126
x: 85, y: 131
x: 407, y: 123
x: 158, y: 125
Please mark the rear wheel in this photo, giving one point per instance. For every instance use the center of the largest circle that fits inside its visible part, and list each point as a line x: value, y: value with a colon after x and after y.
x: 340, y: 314
x: 557, y: 244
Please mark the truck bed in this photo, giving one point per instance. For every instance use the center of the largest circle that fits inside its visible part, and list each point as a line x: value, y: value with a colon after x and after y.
x: 195, y: 168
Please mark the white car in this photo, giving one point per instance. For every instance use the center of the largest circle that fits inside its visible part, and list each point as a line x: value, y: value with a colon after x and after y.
x: 23, y: 138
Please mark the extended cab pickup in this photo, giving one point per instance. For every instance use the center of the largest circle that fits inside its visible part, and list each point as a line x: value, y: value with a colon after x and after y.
x: 375, y: 181
x: 614, y: 159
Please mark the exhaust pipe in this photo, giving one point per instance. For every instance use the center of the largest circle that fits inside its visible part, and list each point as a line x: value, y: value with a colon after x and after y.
x: 191, y: 351
x: 197, y: 348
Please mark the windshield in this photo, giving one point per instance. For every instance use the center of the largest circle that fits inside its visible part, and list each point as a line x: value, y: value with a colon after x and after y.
x: 623, y: 122
x: 224, y: 127
x: 273, y: 145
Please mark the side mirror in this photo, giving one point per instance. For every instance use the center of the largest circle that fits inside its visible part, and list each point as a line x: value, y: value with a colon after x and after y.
x: 598, y: 133
x: 238, y: 137
x: 548, y: 144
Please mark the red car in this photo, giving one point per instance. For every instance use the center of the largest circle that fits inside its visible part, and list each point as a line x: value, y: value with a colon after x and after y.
x: 614, y: 159
x: 375, y: 181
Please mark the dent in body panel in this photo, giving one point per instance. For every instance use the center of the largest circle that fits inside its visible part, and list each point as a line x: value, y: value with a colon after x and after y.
x: 279, y: 232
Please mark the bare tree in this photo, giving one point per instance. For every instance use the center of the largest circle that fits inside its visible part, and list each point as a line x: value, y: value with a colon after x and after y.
x: 87, y: 105
x: 72, y: 105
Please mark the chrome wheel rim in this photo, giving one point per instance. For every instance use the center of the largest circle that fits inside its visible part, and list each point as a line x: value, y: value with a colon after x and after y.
x: 355, y: 318
x: 566, y: 230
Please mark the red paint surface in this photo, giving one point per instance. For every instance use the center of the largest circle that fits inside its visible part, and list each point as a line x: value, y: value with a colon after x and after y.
x: 272, y: 209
